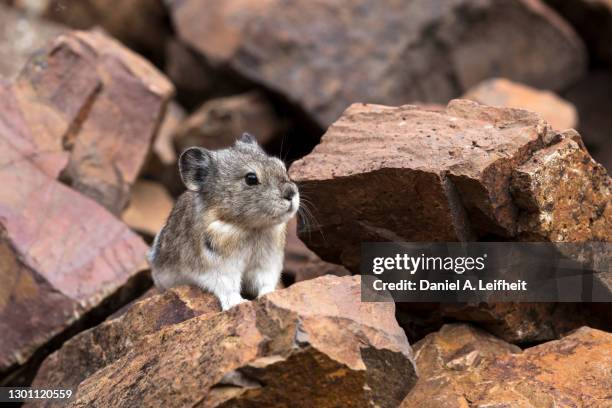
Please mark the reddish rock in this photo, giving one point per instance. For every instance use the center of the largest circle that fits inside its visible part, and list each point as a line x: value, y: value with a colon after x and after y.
x: 63, y: 255
x: 408, y: 174
x: 94, y: 108
x: 218, y: 122
x: 149, y: 208
x: 313, y: 344
x: 593, y: 21
x: 559, y: 113
x: 564, y: 196
x: 326, y: 55
x: 21, y: 37
x: 463, y: 367
x: 92, y: 350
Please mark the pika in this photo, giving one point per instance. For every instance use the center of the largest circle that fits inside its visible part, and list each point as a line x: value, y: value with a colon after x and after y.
x: 226, y: 232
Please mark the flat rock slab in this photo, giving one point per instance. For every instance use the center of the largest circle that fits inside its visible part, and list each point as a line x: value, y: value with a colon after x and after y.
x: 324, y: 55
x: 93, y: 109
x: 410, y: 174
x: 313, y: 344
x: 460, y: 366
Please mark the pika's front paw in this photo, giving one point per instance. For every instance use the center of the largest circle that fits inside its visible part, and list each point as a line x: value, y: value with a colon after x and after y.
x: 265, y: 290
x: 228, y: 303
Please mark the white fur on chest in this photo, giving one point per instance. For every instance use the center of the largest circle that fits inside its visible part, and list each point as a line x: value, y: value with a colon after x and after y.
x: 243, y: 248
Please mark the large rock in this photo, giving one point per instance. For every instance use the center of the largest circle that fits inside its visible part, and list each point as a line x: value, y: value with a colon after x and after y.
x: 408, y: 174
x: 559, y: 113
x: 327, y: 54
x: 92, y: 350
x: 62, y: 255
x: 470, y: 172
x: 313, y: 344
x: 21, y: 37
x: 139, y: 24
x: 593, y: 21
x: 461, y: 367
x: 94, y: 108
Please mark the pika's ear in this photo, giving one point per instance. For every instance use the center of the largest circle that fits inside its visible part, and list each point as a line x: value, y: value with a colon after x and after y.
x: 247, y: 138
x: 195, y: 165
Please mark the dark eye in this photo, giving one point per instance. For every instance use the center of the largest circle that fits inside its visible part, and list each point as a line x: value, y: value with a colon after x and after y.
x: 251, y: 179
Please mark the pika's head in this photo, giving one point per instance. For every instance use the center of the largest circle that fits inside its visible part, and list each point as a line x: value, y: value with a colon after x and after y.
x: 241, y: 184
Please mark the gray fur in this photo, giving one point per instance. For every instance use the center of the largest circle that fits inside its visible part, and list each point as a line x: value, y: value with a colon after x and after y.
x: 224, y: 234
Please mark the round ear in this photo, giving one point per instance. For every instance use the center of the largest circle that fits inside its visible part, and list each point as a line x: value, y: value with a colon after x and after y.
x: 195, y: 165
x: 247, y: 138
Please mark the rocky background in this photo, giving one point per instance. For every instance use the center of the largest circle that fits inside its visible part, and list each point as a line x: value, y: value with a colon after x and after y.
x: 361, y: 98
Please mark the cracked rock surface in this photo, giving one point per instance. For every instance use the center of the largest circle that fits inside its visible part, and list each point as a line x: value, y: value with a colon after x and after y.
x: 461, y: 366
x: 313, y: 344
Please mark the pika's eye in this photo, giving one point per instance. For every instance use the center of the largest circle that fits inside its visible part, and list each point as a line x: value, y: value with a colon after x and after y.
x: 251, y: 179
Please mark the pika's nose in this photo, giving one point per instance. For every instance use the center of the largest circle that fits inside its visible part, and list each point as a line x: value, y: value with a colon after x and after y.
x: 289, y: 192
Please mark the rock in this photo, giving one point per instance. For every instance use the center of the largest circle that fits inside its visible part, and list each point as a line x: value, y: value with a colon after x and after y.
x: 501, y: 92
x: 94, y: 107
x: 460, y: 367
x: 22, y: 36
x: 471, y: 172
x: 149, y: 208
x: 218, y: 122
x: 94, y: 349
x: 564, y: 196
x: 591, y: 96
x: 593, y: 21
x: 140, y: 24
x: 415, y: 175
x: 313, y: 344
x: 326, y: 55
x: 302, y: 264
x: 63, y: 256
